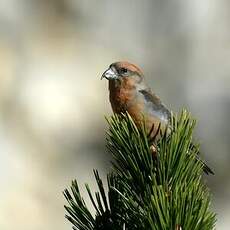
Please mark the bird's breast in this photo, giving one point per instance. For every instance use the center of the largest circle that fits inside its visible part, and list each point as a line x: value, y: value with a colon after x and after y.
x: 127, y: 99
x: 121, y: 98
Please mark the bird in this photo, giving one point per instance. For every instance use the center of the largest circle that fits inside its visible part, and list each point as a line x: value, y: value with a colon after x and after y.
x: 128, y: 92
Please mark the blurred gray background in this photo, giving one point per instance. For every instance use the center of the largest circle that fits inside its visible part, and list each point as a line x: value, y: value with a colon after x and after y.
x: 52, y: 126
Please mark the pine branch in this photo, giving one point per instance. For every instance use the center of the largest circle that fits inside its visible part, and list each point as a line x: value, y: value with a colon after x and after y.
x: 156, y: 191
x: 109, y: 212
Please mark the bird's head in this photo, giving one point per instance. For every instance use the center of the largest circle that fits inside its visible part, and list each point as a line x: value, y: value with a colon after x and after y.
x: 123, y: 72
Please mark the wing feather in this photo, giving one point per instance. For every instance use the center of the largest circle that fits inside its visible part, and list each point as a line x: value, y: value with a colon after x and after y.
x: 155, y: 107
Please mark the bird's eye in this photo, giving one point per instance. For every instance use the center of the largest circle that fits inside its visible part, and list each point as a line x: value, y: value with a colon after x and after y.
x: 123, y: 70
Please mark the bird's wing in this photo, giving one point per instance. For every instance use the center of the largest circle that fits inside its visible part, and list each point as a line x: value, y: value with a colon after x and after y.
x: 154, y: 106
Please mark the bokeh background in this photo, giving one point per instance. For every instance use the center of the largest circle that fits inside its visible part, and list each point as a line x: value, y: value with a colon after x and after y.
x: 52, y: 102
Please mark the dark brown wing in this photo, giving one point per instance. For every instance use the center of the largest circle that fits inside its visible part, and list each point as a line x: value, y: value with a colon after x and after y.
x: 155, y: 107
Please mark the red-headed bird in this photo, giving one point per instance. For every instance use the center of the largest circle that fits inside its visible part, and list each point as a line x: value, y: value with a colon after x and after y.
x: 129, y: 92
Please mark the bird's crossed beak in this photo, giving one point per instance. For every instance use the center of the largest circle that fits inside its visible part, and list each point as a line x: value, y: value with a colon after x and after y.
x: 110, y: 74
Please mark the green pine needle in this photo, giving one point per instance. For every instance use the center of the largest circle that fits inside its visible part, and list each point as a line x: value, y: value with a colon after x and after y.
x: 159, y: 192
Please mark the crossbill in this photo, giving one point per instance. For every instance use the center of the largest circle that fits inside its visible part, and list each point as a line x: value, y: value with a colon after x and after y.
x: 129, y: 93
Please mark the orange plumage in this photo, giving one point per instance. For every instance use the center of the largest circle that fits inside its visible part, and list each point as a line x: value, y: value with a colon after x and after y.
x: 128, y: 92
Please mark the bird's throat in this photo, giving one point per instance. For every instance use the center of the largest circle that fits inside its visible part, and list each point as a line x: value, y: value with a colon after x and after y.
x: 121, y: 96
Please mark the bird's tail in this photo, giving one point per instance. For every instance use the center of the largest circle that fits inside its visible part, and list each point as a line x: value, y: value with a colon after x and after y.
x: 206, y: 168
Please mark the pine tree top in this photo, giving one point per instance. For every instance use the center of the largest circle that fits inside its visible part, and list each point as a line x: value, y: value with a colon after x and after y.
x: 153, y: 185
